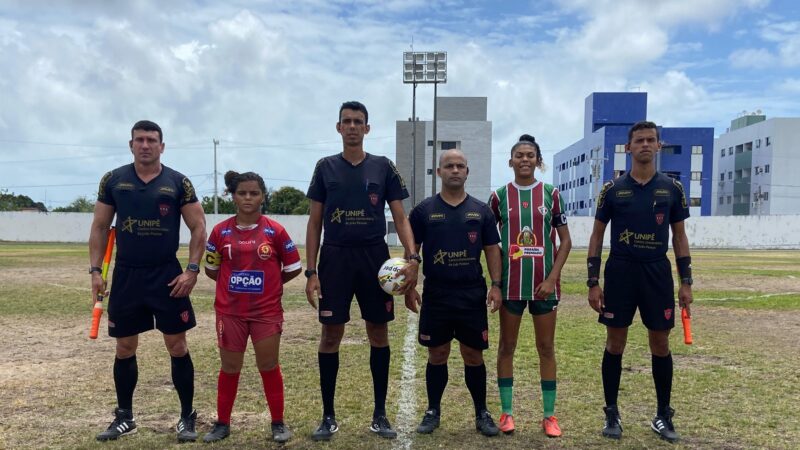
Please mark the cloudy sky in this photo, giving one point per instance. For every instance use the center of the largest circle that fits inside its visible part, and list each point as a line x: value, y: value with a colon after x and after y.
x: 266, y: 78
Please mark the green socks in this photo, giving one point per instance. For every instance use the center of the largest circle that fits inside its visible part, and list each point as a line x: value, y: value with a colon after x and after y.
x: 548, y: 397
x: 506, y: 386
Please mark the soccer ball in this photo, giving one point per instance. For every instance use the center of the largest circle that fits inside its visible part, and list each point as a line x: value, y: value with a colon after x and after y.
x: 389, y: 277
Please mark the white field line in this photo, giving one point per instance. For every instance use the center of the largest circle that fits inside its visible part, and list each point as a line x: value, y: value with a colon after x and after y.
x: 407, y: 410
x: 750, y: 297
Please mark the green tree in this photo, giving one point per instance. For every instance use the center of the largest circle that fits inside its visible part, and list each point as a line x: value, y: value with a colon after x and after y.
x: 288, y: 200
x: 12, y: 202
x: 224, y: 205
x: 80, y: 204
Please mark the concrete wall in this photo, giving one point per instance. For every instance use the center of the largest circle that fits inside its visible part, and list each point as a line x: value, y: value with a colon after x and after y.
x: 704, y: 232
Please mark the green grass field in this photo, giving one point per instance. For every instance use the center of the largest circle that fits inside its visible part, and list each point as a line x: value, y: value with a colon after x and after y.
x: 737, y: 387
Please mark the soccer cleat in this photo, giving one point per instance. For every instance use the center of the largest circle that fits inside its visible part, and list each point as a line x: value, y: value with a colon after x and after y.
x: 429, y: 422
x: 485, y: 424
x: 550, y: 427
x: 613, y: 426
x: 325, y: 430
x: 382, y: 427
x: 281, y: 433
x: 506, y: 423
x: 662, y: 425
x: 185, y: 428
x: 123, y: 424
x: 218, y: 433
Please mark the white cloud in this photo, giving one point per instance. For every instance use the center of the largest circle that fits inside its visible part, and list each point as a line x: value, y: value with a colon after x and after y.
x: 756, y: 58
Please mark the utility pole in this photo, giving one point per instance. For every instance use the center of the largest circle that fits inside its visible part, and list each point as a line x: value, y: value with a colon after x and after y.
x: 216, y: 206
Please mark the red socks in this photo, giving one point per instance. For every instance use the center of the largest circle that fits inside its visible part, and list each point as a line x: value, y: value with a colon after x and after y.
x: 273, y: 391
x: 227, y: 385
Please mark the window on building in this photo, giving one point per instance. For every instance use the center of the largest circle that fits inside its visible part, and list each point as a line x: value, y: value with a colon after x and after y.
x: 755, y: 196
x: 740, y: 148
x: 738, y: 175
x: 745, y: 173
x: 748, y: 146
x: 730, y: 175
x: 765, y: 195
x: 619, y: 148
x: 722, y: 176
x: 758, y: 143
x: 722, y: 153
x: 695, y: 175
x: 430, y: 143
x: 583, y: 157
x: 767, y: 142
x: 582, y: 204
x: 449, y: 145
x: 730, y: 151
x: 671, y: 149
x: 722, y: 200
x: 766, y: 168
x: 697, y: 149
x: 694, y: 201
x: 729, y: 199
x: 583, y: 181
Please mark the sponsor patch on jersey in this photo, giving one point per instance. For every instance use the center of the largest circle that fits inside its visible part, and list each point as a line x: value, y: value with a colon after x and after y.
x: 472, y: 236
x: 163, y: 209
x: 436, y: 217
x: 526, y: 237
x: 668, y: 313
x: 246, y: 281
x: 123, y: 186
x: 424, y: 337
x: 269, y: 231
x: 517, y: 252
x: 525, y: 205
x: 166, y: 189
x: 325, y: 313
x: 373, y: 198
x: 473, y: 215
x: 289, y: 246
x: 623, y: 193
x: 601, y: 198
x: 661, y: 193
x: 226, y: 232
x: 185, y: 316
x: 264, y: 251
x: 608, y: 315
x: 659, y: 218
x: 211, y: 247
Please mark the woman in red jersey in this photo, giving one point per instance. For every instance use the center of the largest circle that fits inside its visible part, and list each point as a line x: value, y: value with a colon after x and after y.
x: 250, y: 256
x: 529, y: 214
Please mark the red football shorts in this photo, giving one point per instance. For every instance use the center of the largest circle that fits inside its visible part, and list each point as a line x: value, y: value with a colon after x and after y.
x: 232, y: 331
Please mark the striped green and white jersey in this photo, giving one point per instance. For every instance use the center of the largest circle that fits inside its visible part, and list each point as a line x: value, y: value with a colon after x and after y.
x: 527, y: 217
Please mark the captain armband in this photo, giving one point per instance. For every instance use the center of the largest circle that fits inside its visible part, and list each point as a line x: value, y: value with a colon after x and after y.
x: 684, y: 264
x: 213, y: 260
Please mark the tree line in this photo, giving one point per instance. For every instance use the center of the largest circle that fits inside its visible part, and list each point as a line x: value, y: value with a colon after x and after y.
x: 282, y: 201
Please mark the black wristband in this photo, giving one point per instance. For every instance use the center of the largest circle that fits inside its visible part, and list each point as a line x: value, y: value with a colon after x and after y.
x: 497, y: 284
x: 593, y: 267
x: 684, y: 264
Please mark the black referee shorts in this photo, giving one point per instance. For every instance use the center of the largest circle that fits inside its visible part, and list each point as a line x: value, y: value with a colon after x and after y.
x: 644, y: 285
x: 140, y: 295
x: 454, y: 312
x: 348, y: 271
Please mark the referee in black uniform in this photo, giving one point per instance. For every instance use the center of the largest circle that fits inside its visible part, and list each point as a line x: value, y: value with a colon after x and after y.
x: 348, y: 193
x: 452, y: 228
x: 149, y: 285
x: 642, y: 206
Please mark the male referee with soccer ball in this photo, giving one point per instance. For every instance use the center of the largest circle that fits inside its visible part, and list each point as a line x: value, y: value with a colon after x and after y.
x: 348, y: 193
x: 149, y: 200
x: 452, y: 228
x: 642, y: 206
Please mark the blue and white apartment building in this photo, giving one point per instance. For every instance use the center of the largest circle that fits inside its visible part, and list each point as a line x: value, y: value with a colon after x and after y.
x: 580, y: 170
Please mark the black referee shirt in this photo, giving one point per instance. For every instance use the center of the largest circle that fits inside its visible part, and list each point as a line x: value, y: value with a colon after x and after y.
x: 641, y: 214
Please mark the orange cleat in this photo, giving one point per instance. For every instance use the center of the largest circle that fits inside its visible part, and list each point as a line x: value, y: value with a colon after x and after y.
x: 550, y: 427
x: 506, y: 423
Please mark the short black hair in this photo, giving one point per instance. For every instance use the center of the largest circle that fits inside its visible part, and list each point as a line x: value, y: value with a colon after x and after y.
x: 643, y: 125
x: 355, y: 106
x: 146, y: 125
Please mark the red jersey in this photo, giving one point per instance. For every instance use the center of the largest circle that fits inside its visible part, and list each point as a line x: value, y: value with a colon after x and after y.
x: 250, y: 261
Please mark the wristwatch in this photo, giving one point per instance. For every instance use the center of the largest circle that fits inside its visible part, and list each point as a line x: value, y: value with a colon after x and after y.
x: 592, y: 282
x: 687, y: 280
x: 95, y: 269
x: 414, y: 257
x: 497, y: 283
x: 192, y: 267
x: 310, y: 272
